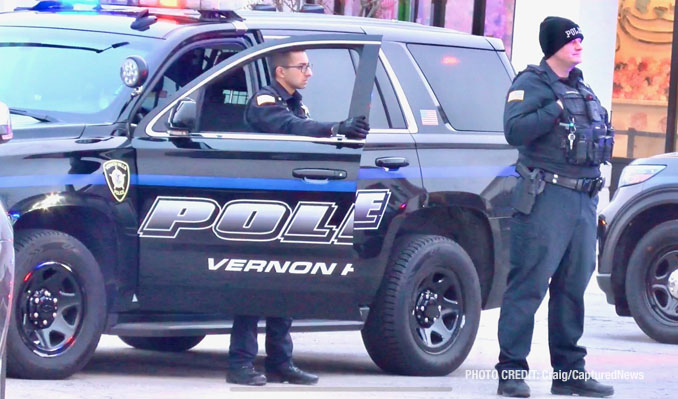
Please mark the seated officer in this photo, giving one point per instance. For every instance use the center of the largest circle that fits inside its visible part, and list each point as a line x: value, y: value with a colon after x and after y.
x: 278, y: 109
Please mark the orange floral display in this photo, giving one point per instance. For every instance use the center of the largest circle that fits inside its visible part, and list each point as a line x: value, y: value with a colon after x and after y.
x: 645, y: 78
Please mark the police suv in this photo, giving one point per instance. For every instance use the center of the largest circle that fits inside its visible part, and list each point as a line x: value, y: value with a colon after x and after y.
x: 144, y: 207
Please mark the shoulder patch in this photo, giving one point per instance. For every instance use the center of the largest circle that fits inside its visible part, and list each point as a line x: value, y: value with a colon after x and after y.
x: 516, y: 95
x: 264, y: 99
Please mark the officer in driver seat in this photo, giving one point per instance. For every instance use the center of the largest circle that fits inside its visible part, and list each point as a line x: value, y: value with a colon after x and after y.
x: 277, y: 108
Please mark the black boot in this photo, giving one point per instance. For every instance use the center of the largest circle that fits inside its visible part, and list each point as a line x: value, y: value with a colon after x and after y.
x: 585, y: 386
x: 291, y: 374
x: 513, y: 388
x: 245, y: 375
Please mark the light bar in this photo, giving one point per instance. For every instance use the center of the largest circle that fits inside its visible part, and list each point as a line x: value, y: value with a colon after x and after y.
x: 200, y: 5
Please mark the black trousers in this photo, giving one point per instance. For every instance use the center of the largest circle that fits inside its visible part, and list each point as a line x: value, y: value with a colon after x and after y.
x: 244, y: 347
x: 551, y: 248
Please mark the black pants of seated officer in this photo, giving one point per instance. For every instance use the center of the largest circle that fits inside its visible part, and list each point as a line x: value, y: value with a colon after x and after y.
x: 555, y: 242
x: 244, y: 347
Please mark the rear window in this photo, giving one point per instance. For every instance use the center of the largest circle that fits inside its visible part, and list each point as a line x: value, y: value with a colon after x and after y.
x: 470, y: 84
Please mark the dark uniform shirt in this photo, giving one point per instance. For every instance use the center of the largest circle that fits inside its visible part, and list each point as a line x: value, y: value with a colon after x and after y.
x: 273, y: 110
x: 531, y: 122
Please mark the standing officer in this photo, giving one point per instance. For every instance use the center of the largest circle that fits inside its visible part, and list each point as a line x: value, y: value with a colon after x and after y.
x: 278, y: 109
x: 563, y: 135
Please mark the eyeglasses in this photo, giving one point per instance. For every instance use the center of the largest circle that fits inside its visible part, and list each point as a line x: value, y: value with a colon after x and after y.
x: 303, y: 68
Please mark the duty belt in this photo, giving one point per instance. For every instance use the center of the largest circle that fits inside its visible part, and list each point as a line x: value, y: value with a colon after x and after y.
x: 587, y: 185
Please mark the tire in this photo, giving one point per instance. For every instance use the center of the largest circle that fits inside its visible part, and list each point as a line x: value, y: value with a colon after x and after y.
x: 402, y: 338
x: 652, y: 283
x: 53, y: 265
x: 163, y: 344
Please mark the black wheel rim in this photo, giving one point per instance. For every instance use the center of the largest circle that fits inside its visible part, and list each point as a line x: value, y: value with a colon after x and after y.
x: 50, y: 309
x: 662, y: 287
x: 437, y: 314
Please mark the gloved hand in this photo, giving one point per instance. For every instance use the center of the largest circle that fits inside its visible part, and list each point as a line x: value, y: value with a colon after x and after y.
x: 354, y: 128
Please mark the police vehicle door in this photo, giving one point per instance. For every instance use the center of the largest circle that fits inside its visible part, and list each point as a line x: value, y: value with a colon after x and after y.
x: 235, y: 221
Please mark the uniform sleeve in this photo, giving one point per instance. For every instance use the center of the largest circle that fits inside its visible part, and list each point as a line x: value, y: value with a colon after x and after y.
x: 530, y: 111
x: 274, y: 117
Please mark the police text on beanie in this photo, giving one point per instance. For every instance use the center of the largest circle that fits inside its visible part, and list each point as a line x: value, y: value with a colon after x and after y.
x: 555, y: 32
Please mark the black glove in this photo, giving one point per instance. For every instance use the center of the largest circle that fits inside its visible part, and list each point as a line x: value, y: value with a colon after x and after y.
x: 354, y: 128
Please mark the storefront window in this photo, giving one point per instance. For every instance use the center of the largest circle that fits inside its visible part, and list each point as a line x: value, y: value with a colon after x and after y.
x: 641, y: 77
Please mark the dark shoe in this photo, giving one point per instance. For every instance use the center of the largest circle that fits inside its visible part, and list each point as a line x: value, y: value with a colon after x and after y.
x: 585, y: 386
x: 513, y: 388
x: 291, y: 374
x: 246, y: 375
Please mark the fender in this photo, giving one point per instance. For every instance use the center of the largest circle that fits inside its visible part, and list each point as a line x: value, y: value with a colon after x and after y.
x: 115, y: 251
x: 46, y: 202
x: 635, y: 206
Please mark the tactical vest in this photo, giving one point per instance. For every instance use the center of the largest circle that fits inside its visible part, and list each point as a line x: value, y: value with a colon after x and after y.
x: 586, y: 137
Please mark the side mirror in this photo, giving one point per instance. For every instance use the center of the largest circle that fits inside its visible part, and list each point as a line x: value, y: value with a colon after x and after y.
x: 5, y: 124
x: 182, y: 117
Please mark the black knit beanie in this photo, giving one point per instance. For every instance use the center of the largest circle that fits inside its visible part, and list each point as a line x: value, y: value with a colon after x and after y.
x: 555, y: 32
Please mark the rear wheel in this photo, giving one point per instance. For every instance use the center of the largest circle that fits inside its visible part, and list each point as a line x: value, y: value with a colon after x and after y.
x: 163, y: 344
x: 60, y: 306
x: 427, y: 311
x: 652, y: 283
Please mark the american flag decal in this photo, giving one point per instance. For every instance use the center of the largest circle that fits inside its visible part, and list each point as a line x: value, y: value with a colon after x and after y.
x: 429, y: 117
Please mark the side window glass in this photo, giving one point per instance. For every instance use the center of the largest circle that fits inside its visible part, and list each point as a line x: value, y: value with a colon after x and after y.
x: 327, y: 95
x: 385, y: 109
x: 328, y: 92
x: 182, y: 71
x: 224, y: 101
x: 470, y: 84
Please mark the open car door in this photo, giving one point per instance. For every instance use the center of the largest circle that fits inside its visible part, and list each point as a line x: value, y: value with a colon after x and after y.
x: 235, y: 221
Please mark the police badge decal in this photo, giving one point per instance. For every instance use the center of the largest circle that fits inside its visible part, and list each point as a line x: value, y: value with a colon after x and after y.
x: 117, y: 178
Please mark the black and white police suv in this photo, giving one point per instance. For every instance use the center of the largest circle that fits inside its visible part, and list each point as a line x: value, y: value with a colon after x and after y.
x: 144, y: 207
x: 638, y: 241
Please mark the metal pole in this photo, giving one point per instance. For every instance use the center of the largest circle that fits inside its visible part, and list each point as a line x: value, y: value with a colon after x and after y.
x: 478, y: 27
x: 670, y: 144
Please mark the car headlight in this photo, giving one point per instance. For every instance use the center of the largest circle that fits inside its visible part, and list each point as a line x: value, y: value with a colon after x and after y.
x: 634, y: 174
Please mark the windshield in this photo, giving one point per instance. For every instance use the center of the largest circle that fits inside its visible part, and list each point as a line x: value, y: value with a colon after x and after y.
x: 63, y: 75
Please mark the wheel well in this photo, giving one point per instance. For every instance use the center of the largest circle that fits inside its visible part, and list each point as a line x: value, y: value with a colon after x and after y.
x: 467, y: 227
x: 628, y: 240
x: 83, y: 224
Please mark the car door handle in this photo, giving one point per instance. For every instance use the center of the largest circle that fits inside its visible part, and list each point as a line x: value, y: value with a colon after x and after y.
x: 319, y: 174
x: 391, y: 162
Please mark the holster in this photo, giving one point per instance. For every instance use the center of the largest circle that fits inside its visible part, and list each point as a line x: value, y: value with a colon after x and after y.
x: 530, y: 184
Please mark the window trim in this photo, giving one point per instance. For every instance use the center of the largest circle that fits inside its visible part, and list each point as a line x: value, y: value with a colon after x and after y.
x: 404, y: 105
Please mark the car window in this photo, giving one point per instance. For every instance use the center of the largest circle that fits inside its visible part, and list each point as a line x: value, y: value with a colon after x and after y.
x: 328, y: 93
x: 181, y: 72
x: 224, y: 101
x: 470, y: 84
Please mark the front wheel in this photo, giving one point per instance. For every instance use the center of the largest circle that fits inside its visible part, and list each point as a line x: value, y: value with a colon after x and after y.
x: 59, y: 308
x: 652, y: 283
x: 427, y: 311
x: 163, y: 344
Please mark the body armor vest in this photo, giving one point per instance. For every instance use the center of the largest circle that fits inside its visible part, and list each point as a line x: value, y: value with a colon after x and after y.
x: 585, y: 134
